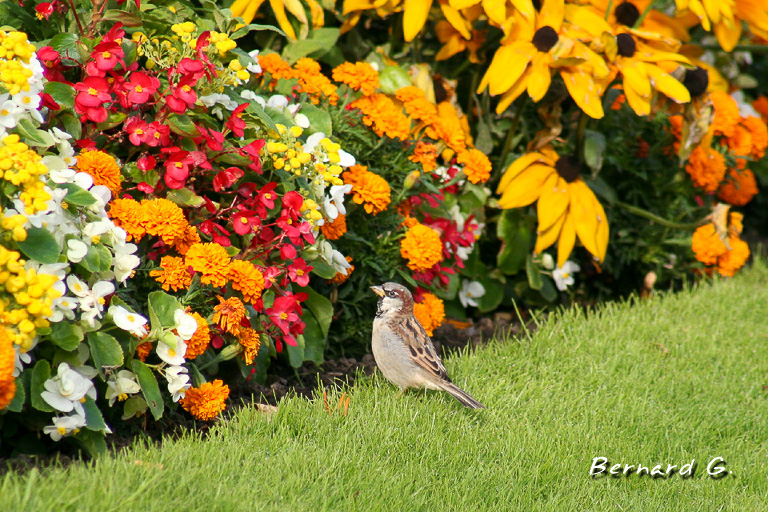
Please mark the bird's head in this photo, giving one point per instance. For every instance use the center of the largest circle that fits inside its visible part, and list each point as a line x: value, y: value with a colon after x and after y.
x: 393, y: 299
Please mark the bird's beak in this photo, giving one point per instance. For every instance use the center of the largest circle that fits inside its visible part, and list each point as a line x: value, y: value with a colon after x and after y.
x: 378, y: 290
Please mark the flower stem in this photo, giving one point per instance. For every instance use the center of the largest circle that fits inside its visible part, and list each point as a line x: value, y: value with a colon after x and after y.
x: 754, y: 48
x: 608, y: 10
x: 655, y: 218
x: 510, y: 137
x: 77, y: 18
x: 642, y: 16
x: 583, y: 120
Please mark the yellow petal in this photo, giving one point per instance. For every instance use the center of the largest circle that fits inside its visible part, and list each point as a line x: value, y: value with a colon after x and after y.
x: 414, y: 17
x: 463, y: 4
x: 514, y: 92
x: 295, y: 8
x: 587, y: 19
x: 635, y: 75
x: 279, y: 9
x: 356, y: 5
x: 451, y: 47
x: 582, y: 88
x: 567, y: 240
x: 546, y: 238
x: 516, y: 168
x: 526, y: 188
x: 541, y: 76
x: 551, y: 14
x: 640, y: 104
x: 318, y: 15
x: 350, y: 22
x: 728, y: 37
x: 666, y: 84
x: 588, y: 214
x: 553, y: 202
x: 508, y: 64
x: 525, y: 7
x: 455, y: 18
x: 496, y: 10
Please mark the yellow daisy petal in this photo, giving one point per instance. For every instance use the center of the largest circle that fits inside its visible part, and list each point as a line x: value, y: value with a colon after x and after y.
x: 514, y: 92
x: 551, y: 14
x: 553, y: 202
x: 414, y: 17
x: 566, y: 241
x: 526, y: 188
x: 728, y: 37
x: 664, y: 83
x: 508, y: 64
x: 517, y: 167
x: 584, y: 215
x: 541, y: 76
x: 582, y: 88
x: 496, y: 10
x: 455, y: 18
x: 282, y: 19
x: 545, y: 239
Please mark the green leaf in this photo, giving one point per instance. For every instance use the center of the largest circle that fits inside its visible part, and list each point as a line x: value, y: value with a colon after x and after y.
x: 602, y: 189
x: 93, y: 418
x: 258, y: 111
x: 19, y: 398
x: 32, y: 136
x: 296, y: 354
x: 97, y: 259
x: 548, y: 291
x: 181, y: 124
x: 134, y: 406
x: 185, y: 197
x: 93, y: 442
x: 40, y: 373
x: 319, y: 120
x: 76, y: 195
x: 320, y: 41
x: 162, y: 307
x: 242, y: 31
x: 126, y: 18
x: 40, y: 246
x: 105, y: 350
x: 393, y: 78
x: 66, y: 335
x: 534, y: 276
x: 450, y: 291
x: 149, y: 388
x: 322, y: 269
x: 515, y: 235
x: 71, y: 125
x: 66, y: 45
x: 594, y: 148
x: 320, y: 308
x: 407, y: 277
x: 62, y: 93
x: 114, y: 119
x: 494, y: 294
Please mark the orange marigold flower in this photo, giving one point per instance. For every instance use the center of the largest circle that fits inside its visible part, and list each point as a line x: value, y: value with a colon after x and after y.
x: 758, y: 132
x: 360, y: 76
x: 247, y: 279
x: 173, y: 274
x: 229, y: 313
x: 250, y: 340
x: 164, y: 218
x: 334, y: 229
x: 187, y: 239
x: 313, y: 82
x: 102, y: 167
x: 421, y: 247
x: 207, y: 401
x: 425, y: 154
x: 618, y: 102
x: 7, y: 362
x: 733, y: 259
x: 143, y: 350
x: 477, y: 167
x: 726, y: 113
x: 706, y: 167
x: 211, y: 260
x: 707, y: 245
x: 450, y: 132
x: 127, y: 214
x: 761, y: 105
x: 273, y: 64
x: 416, y: 104
x: 339, y: 277
x: 740, y: 143
x: 368, y: 188
x: 430, y: 312
x: 199, y: 341
x: 738, y: 188
x: 381, y: 114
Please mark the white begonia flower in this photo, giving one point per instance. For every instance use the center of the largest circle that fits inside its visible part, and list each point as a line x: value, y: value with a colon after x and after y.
x: 58, y: 169
x: 254, y: 67
x: 76, y: 250
x: 64, y: 425
x: 10, y: 113
x: 301, y: 120
x: 185, y: 324
x: 128, y: 321
x: 66, y: 391
x: 91, y: 300
x: 59, y: 135
x: 464, y: 252
x: 20, y: 359
x: 346, y: 159
x: 334, y: 258
x: 312, y: 142
x: 563, y: 276
x: 83, y: 180
x: 178, y: 381
x: 172, y: 356
x: 125, y: 261
x: 278, y: 101
x: 121, y: 386
x: 333, y: 205
x: 745, y: 106
x: 252, y: 96
x: 547, y: 261
x: 470, y: 290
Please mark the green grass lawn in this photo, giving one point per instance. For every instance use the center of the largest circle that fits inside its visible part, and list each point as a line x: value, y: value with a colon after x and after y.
x: 659, y: 381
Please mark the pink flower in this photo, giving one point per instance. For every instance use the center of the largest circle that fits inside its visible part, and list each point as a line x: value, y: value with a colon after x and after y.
x: 93, y: 94
x: 226, y: 178
x: 107, y: 55
x: 245, y: 221
x: 299, y: 271
x: 141, y: 87
x: 235, y: 122
x: 182, y: 96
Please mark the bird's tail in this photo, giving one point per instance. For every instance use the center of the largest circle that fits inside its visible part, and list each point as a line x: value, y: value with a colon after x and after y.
x: 462, y: 396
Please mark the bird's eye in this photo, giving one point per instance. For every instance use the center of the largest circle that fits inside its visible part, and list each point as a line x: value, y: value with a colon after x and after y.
x: 390, y: 294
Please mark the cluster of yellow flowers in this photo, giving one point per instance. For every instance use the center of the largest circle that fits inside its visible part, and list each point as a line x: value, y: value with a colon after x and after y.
x: 15, y: 49
x: 288, y: 154
x: 26, y: 298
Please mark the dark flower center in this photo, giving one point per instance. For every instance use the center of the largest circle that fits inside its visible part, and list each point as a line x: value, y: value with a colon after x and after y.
x: 537, y: 5
x: 696, y: 81
x: 545, y: 38
x: 568, y: 168
x: 627, y: 14
x: 626, y: 44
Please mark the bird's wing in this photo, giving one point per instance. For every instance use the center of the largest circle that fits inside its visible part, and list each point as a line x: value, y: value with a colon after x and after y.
x: 422, y: 350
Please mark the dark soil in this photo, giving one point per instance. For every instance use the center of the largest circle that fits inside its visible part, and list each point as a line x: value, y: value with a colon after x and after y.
x: 282, y: 381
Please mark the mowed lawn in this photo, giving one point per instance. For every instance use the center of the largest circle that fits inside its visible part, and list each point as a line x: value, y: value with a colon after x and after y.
x: 659, y: 381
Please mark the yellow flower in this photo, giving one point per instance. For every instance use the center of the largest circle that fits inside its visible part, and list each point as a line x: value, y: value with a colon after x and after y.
x: 200, y: 340
x: 368, y: 189
x: 726, y: 16
x: 334, y: 229
x: 566, y: 207
x: 247, y: 279
x: 229, y: 314
x: 207, y: 401
x: 425, y: 154
x: 172, y: 274
x: 7, y: 358
x: 416, y: 104
x: 313, y: 82
x: 360, y: 76
x: 250, y: 340
x: 247, y: 10
x: 102, y: 167
x: 422, y: 247
x: 430, y: 312
x: 454, y: 42
x: 211, y: 260
x: 278, y: 69
x: 187, y: 239
x: 726, y: 113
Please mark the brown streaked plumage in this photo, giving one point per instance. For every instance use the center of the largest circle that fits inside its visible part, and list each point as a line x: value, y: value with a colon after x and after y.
x: 402, y: 349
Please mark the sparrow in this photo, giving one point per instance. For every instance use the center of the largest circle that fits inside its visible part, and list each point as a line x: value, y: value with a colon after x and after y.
x: 402, y: 349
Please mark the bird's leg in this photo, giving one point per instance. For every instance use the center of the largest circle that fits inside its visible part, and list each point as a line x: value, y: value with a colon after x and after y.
x: 402, y: 392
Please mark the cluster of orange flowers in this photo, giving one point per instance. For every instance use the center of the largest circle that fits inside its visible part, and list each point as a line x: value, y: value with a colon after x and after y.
x: 726, y: 252
x: 207, y: 401
x: 422, y: 247
x: 430, y: 312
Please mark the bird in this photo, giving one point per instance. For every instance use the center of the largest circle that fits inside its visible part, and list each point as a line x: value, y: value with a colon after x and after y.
x: 402, y: 349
